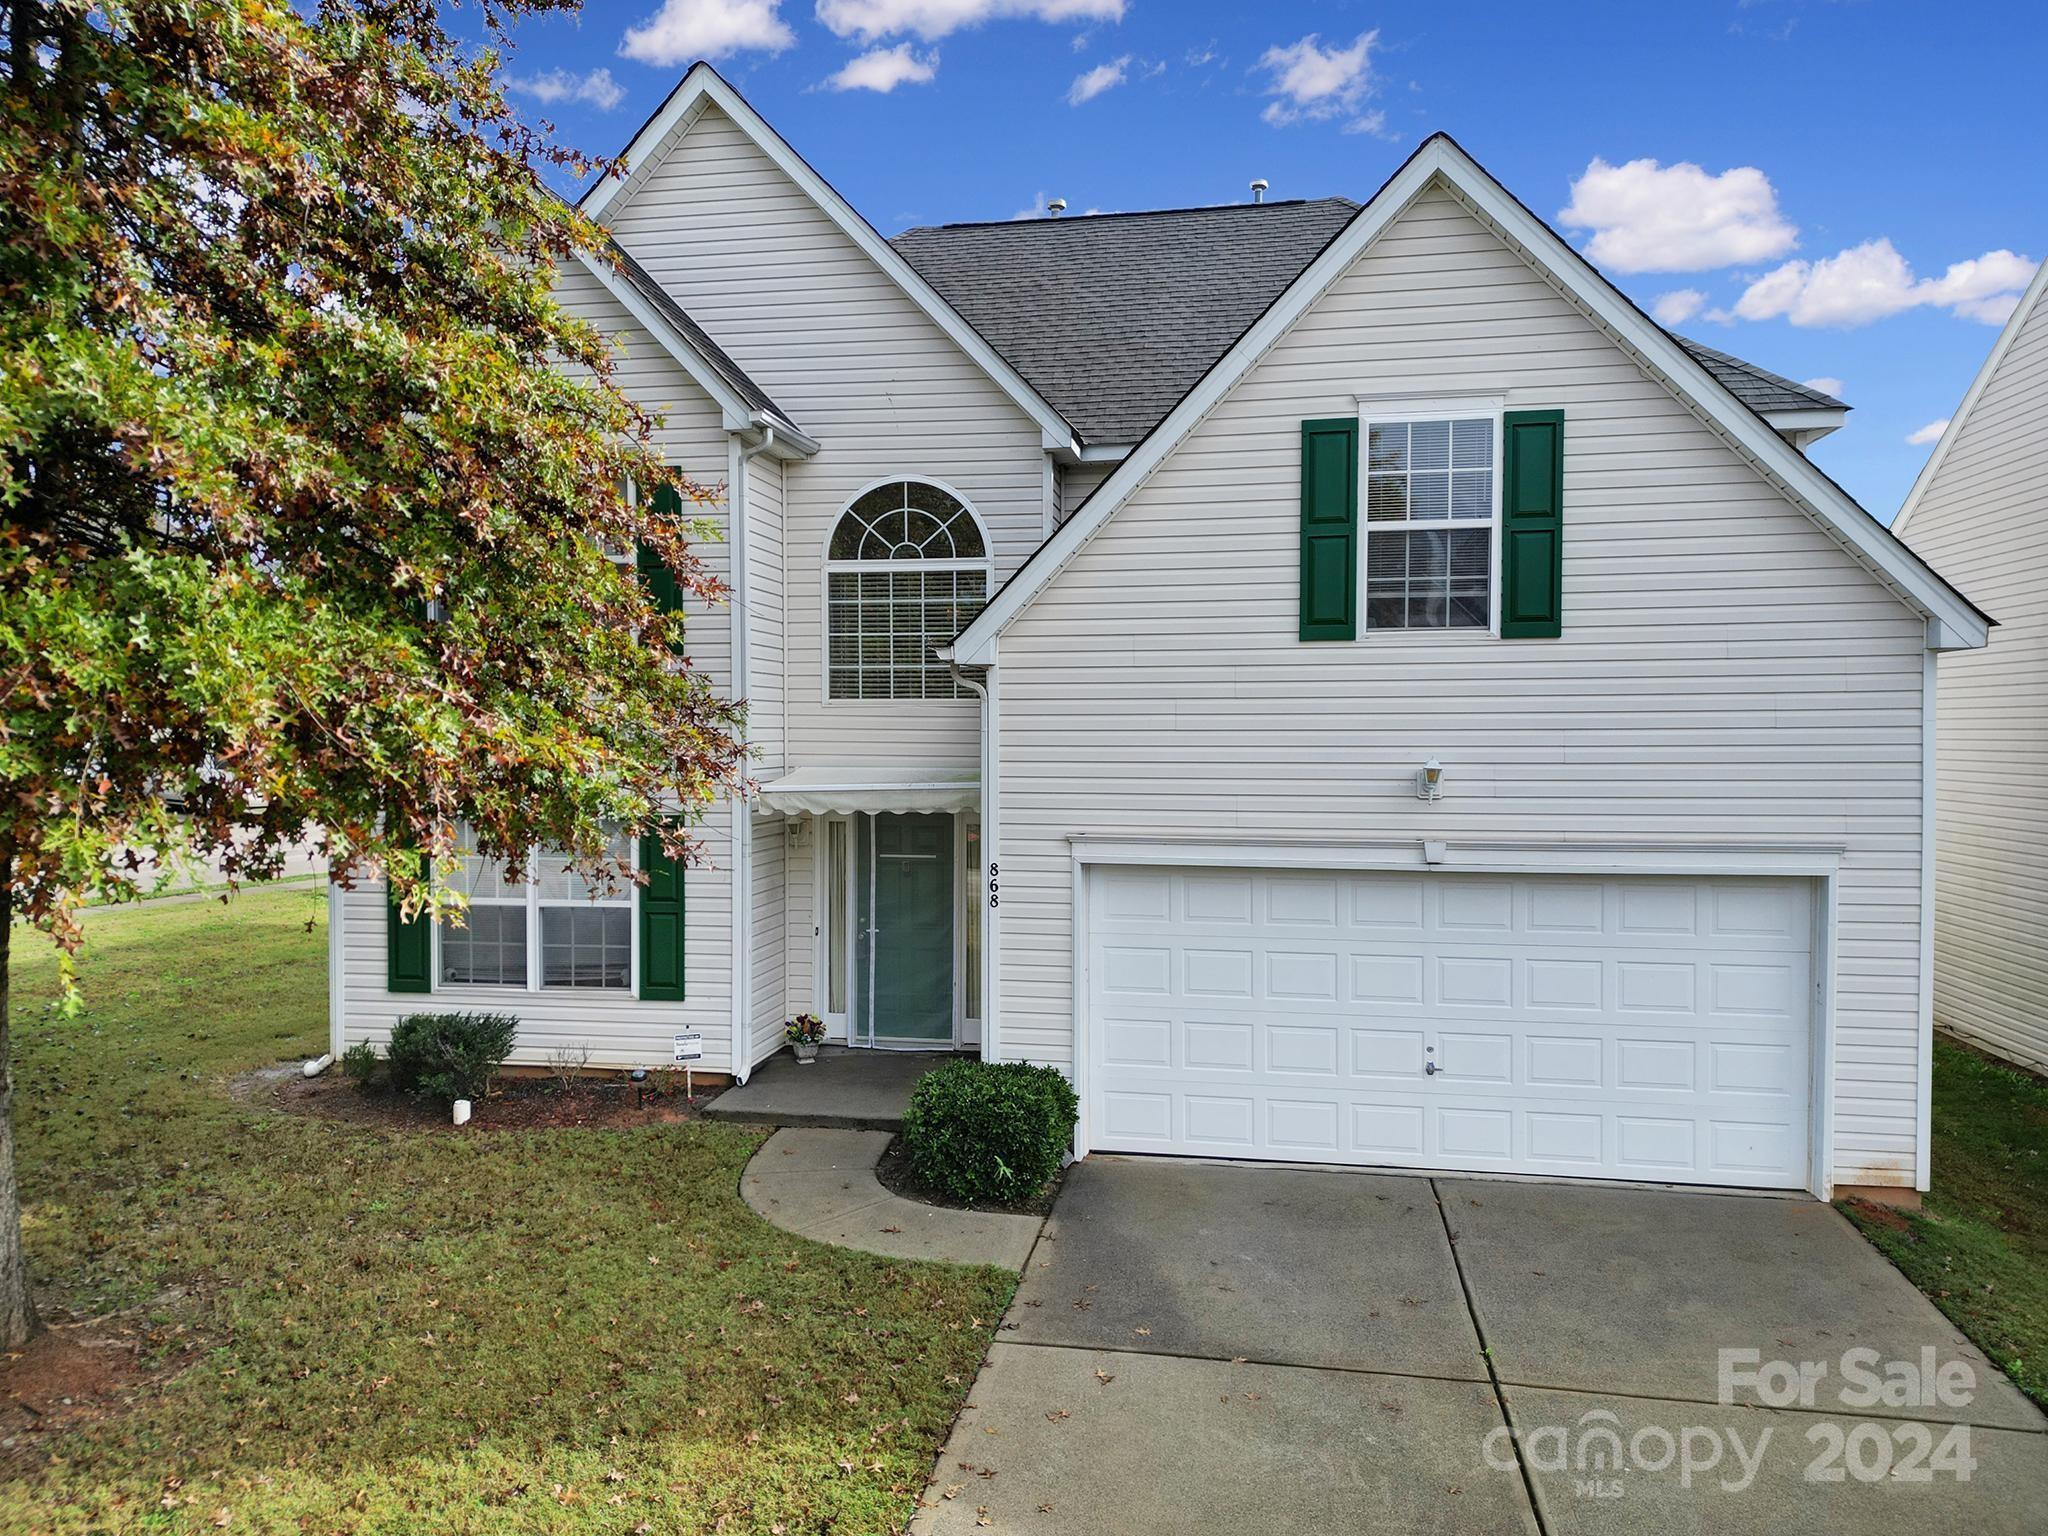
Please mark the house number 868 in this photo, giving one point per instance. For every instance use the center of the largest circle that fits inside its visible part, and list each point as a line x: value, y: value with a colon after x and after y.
x: 994, y: 891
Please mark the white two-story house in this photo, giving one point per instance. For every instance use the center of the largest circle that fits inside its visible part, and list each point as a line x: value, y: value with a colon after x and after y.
x: 1334, y: 677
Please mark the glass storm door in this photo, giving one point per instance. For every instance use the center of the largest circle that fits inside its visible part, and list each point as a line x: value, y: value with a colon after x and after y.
x: 908, y: 959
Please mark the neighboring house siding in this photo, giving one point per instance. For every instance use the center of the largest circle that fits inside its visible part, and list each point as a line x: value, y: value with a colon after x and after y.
x: 1727, y: 674
x: 1982, y: 521
x: 620, y: 1030
x: 859, y: 367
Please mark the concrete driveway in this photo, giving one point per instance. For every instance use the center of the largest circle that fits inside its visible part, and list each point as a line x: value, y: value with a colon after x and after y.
x: 1201, y: 1347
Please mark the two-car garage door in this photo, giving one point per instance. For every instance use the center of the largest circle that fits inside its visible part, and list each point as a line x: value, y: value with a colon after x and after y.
x: 1632, y: 1028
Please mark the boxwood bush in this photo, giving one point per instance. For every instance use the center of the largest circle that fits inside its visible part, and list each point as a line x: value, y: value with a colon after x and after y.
x: 450, y: 1056
x: 985, y: 1132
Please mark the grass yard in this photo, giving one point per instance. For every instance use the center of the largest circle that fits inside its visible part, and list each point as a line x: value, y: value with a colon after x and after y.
x: 1979, y: 1248
x: 360, y: 1330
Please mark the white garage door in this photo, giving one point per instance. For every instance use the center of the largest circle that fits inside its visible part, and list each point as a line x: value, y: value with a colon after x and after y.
x: 1616, y: 1028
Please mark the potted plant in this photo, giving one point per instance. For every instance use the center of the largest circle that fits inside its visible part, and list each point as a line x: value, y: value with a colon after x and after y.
x: 805, y: 1033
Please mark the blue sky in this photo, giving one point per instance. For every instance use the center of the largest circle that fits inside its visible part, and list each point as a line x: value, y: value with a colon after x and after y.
x: 1846, y: 190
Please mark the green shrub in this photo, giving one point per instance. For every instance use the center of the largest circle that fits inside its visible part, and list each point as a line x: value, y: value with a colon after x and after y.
x: 450, y: 1056
x: 984, y: 1131
x: 359, y: 1063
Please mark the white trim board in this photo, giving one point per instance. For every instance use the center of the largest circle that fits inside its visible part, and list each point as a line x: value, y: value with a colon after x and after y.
x: 1814, y: 860
x: 704, y: 84
x: 2013, y: 325
x: 1441, y: 160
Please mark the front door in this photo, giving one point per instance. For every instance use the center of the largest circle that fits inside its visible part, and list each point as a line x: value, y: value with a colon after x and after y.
x: 910, y: 931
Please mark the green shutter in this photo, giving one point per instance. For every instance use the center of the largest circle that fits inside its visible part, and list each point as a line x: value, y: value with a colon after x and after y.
x: 408, y: 945
x: 1329, y: 529
x: 661, y: 581
x: 661, y: 924
x: 1532, y: 526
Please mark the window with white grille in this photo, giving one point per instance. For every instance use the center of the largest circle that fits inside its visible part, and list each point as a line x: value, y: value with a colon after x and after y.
x: 906, y: 570
x: 543, y: 925
x: 1430, y: 513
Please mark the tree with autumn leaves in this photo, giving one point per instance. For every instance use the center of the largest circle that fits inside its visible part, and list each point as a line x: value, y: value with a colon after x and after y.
x: 307, y: 479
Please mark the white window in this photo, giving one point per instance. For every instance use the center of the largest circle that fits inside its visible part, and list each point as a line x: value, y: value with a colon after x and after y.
x: 1432, y: 516
x: 541, y: 926
x: 906, y: 570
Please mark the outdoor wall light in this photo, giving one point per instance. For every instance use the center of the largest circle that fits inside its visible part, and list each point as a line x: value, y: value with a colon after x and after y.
x: 1429, y: 781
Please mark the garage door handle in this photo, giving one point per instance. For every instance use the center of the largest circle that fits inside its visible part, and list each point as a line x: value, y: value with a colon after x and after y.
x: 1431, y: 1068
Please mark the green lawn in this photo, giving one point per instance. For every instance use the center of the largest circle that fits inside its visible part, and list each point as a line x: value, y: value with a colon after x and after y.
x: 1980, y: 1246
x: 368, y: 1330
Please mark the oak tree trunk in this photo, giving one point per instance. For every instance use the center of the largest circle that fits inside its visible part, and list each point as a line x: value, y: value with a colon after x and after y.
x: 17, y: 1313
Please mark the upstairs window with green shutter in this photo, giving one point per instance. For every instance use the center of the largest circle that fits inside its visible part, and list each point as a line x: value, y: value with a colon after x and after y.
x: 1432, y: 519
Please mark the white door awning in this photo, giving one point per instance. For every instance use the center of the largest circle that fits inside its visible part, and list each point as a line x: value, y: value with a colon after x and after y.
x: 840, y: 791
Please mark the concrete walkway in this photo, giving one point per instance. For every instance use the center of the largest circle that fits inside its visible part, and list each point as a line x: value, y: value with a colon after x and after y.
x: 821, y: 1184
x: 1215, y: 1348
x: 854, y: 1090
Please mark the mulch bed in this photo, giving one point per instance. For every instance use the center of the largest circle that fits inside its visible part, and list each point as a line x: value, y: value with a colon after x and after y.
x: 515, y: 1104
x: 894, y: 1173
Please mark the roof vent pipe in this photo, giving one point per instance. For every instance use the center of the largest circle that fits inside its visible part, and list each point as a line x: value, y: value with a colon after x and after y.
x: 1056, y: 207
x: 1259, y: 190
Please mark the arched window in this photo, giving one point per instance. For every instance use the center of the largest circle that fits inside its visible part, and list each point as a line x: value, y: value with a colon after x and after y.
x: 906, y: 570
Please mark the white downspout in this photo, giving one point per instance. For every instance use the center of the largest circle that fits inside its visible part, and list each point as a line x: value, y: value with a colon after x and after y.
x: 1923, y: 1107
x: 742, y: 820
x: 984, y: 688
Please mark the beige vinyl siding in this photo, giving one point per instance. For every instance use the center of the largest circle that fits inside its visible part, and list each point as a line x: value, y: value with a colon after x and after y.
x: 767, y: 702
x: 1078, y: 483
x: 619, y: 1029
x: 860, y: 368
x: 800, y: 919
x: 768, y: 1006
x: 1726, y: 675
x: 1982, y: 521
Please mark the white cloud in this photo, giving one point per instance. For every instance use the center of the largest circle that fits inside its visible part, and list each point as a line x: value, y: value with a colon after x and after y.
x: 1931, y: 433
x: 1826, y: 384
x: 869, y: 20
x: 1101, y: 78
x: 1373, y: 122
x: 1870, y: 281
x: 598, y: 88
x: 683, y: 31
x: 1037, y: 210
x: 1313, y: 83
x: 1647, y: 217
x: 883, y: 69
x: 1678, y: 306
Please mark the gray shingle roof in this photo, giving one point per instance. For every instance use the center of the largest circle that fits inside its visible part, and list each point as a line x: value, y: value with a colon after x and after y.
x: 1758, y: 388
x: 645, y: 285
x: 1113, y: 317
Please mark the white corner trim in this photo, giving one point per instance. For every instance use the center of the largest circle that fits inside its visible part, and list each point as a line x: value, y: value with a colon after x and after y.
x: 704, y: 84
x: 337, y: 972
x: 2014, y: 324
x: 1441, y: 158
